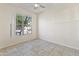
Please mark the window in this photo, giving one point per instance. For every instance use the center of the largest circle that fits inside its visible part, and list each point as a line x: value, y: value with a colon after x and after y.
x: 23, y: 25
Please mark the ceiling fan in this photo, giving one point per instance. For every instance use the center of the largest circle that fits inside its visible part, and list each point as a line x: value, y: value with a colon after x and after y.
x: 37, y: 5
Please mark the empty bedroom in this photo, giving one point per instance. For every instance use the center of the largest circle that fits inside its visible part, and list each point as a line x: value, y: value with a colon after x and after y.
x: 39, y: 29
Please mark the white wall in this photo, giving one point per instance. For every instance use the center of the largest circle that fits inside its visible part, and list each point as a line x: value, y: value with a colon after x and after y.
x: 7, y: 15
x: 60, y: 26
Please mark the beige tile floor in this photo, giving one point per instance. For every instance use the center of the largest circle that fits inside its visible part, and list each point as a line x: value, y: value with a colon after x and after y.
x: 38, y: 48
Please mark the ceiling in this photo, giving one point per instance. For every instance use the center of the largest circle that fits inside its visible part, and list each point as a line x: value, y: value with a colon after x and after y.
x: 30, y: 6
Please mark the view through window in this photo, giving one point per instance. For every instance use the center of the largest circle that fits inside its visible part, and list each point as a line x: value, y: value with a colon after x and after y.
x: 23, y: 25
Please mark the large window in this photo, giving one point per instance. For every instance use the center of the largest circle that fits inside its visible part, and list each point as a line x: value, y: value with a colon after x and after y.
x: 23, y: 25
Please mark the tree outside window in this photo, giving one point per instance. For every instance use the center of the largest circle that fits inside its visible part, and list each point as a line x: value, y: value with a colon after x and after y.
x: 23, y: 25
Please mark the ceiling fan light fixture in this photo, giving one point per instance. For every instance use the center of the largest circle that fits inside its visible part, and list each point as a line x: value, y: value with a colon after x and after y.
x: 36, y: 5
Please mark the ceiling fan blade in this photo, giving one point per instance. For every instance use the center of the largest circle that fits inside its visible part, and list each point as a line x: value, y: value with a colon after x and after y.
x: 42, y: 6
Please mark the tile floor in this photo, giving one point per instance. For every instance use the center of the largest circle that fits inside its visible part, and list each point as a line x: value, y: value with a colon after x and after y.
x: 39, y: 48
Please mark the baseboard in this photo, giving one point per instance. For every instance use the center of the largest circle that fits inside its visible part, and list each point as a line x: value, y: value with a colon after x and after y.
x: 61, y: 44
x: 14, y: 45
